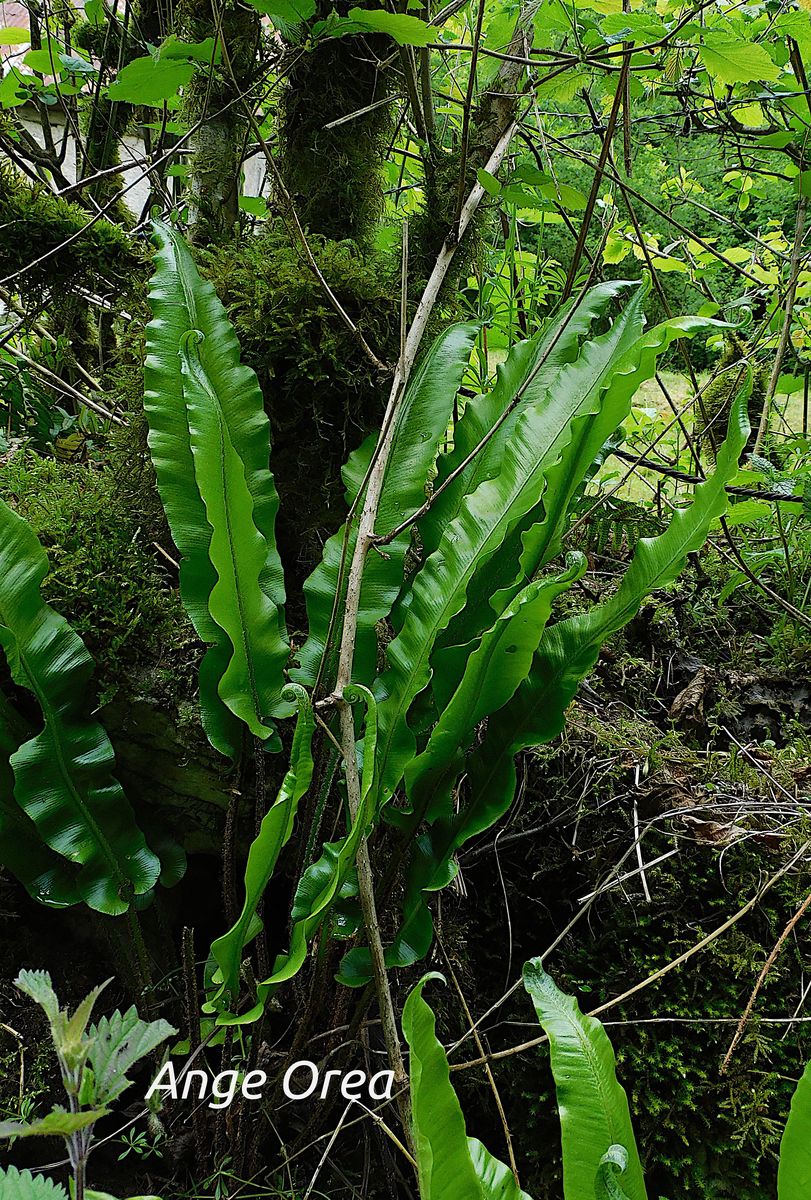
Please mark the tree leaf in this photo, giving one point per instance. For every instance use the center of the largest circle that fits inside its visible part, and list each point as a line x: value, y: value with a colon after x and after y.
x: 734, y: 60
x: 150, y: 81
x: 181, y: 301
x: 593, y: 1106
x: 63, y: 775
x: 794, y: 1166
x: 403, y: 29
x: 12, y: 35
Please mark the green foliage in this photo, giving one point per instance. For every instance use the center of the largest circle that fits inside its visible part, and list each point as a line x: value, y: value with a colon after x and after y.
x: 63, y: 775
x: 593, y: 1106
x: 209, y: 439
x: 93, y: 1061
x: 451, y: 1166
x: 794, y: 1171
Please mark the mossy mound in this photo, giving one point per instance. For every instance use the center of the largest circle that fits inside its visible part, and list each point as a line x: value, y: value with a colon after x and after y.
x: 106, y: 577
x: 322, y: 393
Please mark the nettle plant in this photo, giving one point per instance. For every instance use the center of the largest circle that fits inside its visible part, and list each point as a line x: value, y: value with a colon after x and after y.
x: 94, y: 1061
x: 452, y: 559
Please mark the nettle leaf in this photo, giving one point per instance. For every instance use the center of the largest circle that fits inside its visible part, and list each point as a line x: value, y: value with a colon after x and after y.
x: 22, y: 1185
x: 56, y: 1124
x: 403, y: 29
x: 151, y: 81
x: 734, y: 60
x: 63, y: 775
x: 118, y: 1043
x: 11, y: 35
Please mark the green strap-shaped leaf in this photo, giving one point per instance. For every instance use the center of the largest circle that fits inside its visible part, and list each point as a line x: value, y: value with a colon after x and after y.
x: 610, y: 1168
x: 451, y: 1166
x: 274, y: 834
x: 593, y: 1106
x: 46, y: 876
x: 496, y: 1179
x: 63, y: 775
x: 485, y: 518
x: 252, y: 681
x: 569, y: 650
x: 529, y: 369
x: 794, y: 1167
x: 494, y: 670
x: 445, y: 1168
x: 321, y: 883
x: 422, y: 420
x: 537, y: 541
x: 180, y: 302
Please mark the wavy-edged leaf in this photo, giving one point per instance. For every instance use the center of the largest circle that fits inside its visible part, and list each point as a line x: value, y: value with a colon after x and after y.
x: 422, y: 420
x: 321, y: 883
x: 496, y: 1179
x: 485, y: 518
x: 180, y: 302
x: 22, y: 1185
x: 56, y: 1124
x: 46, y: 876
x: 593, y: 1106
x: 451, y: 1166
x: 252, y: 681
x: 274, y: 833
x: 526, y: 374
x: 445, y: 1168
x: 118, y: 1042
x: 569, y: 649
x: 63, y: 775
x: 794, y: 1167
x: 495, y: 668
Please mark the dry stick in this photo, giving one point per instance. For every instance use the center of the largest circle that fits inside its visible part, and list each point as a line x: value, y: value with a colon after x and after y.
x: 767, y: 966
x: 597, y: 180
x: 794, y: 269
x: 480, y: 1047
x: 67, y: 388
x: 365, y: 538
x: 657, y: 975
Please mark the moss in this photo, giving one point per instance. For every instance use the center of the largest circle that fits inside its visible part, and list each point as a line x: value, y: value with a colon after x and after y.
x: 322, y: 393
x: 334, y: 175
x: 703, y: 1136
x: 37, y: 223
x: 712, y: 412
x: 106, y: 577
